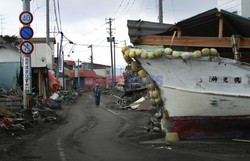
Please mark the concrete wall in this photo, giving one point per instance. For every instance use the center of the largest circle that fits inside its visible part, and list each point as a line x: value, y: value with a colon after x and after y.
x: 246, y: 8
x: 42, y: 56
x: 103, y: 72
x: 9, y: 68
x: 8, y: 75
x: 8, y: 55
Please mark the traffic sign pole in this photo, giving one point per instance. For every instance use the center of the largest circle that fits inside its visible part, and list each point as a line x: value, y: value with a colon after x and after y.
x: 26, y: 48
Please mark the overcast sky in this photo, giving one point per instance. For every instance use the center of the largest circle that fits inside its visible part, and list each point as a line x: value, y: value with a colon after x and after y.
x: 83, y: 21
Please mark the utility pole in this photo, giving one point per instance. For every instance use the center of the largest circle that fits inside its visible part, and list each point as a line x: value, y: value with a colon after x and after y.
x: 160, y: 12
x: 114, y: 61
x: 111, y: 52
x: 91, y: 57
x: 78, y: 74
x: 47, y: 23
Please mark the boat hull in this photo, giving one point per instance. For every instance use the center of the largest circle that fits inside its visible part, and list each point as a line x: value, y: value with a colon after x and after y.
x: 202, y: 127
x: 205, y: 115
x: 203, y: 98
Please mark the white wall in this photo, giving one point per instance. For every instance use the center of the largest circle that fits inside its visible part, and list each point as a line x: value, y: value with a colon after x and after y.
x: 42, y: 56
x: 246, y: 8
x: 8, y: 55
x: 241, y: 7
x: 230, y: 5
x: 103, y: 72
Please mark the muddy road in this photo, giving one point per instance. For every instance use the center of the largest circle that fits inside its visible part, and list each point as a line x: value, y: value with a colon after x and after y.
x: 94, y: 134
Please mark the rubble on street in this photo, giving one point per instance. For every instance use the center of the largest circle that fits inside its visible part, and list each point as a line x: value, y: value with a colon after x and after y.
x: 139, y: 100
x: 43, y: 109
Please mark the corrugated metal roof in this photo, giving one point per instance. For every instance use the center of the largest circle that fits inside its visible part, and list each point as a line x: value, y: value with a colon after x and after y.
x: 205, y: 24
x: 144, y: 28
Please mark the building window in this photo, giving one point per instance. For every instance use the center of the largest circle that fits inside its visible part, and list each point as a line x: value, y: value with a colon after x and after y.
x: 107, y: 72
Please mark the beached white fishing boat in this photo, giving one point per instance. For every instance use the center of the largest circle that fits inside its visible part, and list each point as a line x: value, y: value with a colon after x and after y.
x: 203, y: 96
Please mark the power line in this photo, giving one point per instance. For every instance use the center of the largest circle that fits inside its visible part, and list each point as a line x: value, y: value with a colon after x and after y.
x: 118, y: 8
x: 125, y: 8
x: 57, y: 24
x: 128, y: 9
x: 37, y: 6
x: 173, y: 8
x: 98, y: 38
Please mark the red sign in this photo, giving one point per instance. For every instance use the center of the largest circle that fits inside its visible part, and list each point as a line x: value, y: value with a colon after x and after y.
x: 26, y: 18
x: 26, y: 47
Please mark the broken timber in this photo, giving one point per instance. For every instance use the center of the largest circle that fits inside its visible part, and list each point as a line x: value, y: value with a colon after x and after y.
x: 190, y: 41
x: 6, y: 113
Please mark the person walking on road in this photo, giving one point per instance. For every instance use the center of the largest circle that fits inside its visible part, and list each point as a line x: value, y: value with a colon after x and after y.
x: 97, y: 92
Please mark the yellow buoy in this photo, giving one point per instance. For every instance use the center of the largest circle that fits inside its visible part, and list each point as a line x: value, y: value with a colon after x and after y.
x: 142, y: 73
x: 158, y: 52
x: 135, y: 65
x: 151, y: 86
x: 126, y: 53
x: 152, y: 102
x: 155, y: 94
x: 151, y: 55
x: 176, y: 54
x: 196, y: 54
x: 138, y: 52
x: 213, y: 52
x: 132, y: 54
x: 124, y: 48
x: 144, y: 55
x: 146, y: 80
x: 205, y: 52
x: 186, y: 56
x: 158, y: 101
x: 168, y: 51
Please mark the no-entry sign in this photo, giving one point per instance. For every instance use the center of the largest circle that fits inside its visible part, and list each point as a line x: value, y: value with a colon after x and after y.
x: 26, y: 47
x: 26, y: 32
x: 26, y: 18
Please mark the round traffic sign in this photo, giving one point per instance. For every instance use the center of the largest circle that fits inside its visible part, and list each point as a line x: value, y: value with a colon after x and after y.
x: 26, y: 18
x: 26, y: 47
x: 26, y: 32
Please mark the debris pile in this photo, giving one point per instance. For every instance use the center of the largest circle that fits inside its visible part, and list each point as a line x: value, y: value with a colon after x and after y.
x: 141, y: 89
x: 12, y: 114
x: 140, y: 100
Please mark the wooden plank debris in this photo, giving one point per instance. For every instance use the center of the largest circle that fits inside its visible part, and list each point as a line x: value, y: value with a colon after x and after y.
x: 189, y: 41
x: 6, y: 113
